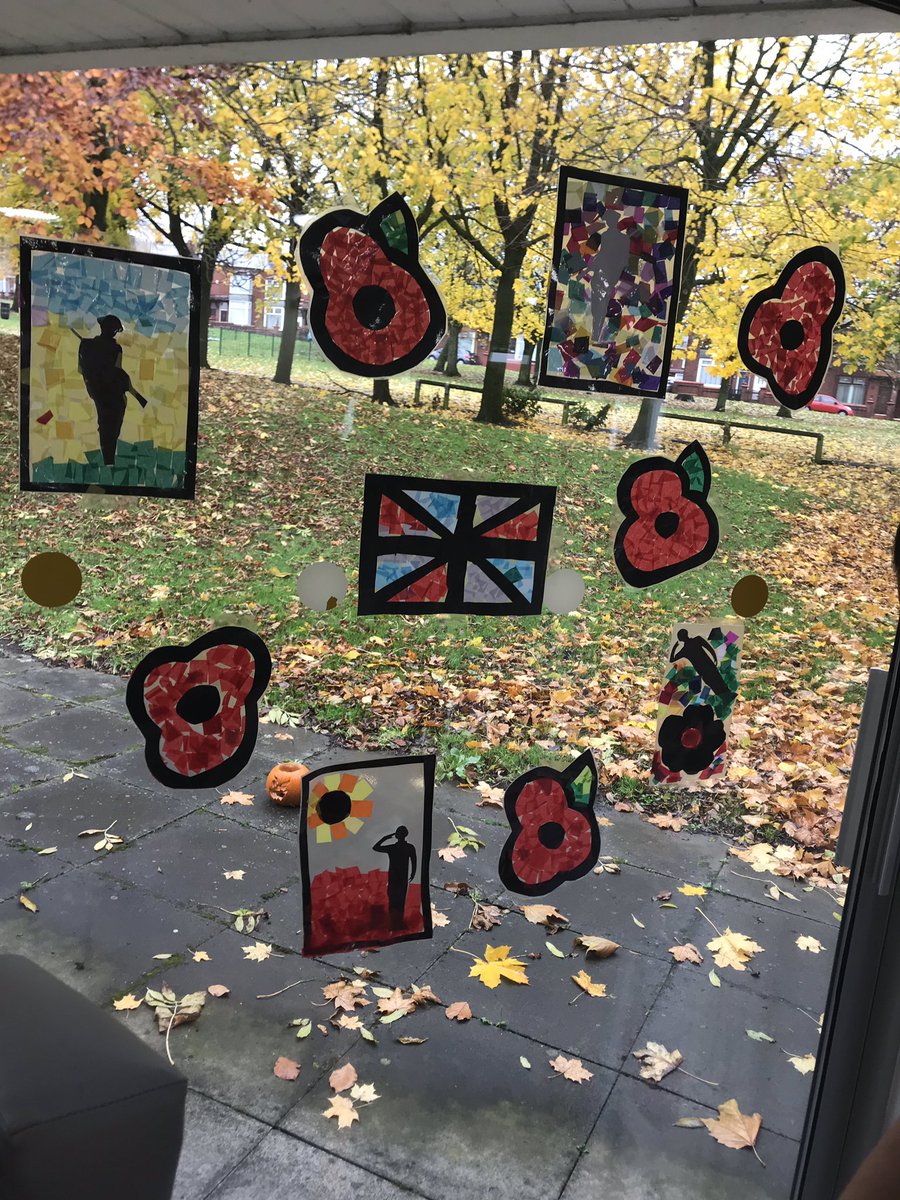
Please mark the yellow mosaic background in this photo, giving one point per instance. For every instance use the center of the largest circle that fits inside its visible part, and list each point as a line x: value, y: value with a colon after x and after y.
x: 158, y: 367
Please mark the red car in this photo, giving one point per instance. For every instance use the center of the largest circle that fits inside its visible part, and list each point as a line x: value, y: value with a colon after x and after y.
x: 830, y: 404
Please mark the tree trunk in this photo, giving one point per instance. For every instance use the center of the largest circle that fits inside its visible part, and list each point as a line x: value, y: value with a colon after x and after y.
x: 524, y: 377
x: 451, y: 350
x: 288, y: 332
x: 643, y: 432
x: 784, y: 412
x: 441, y: 360
x: 491, y: 409
x: 209, y: 256
x: 381, y: 392
x: 15, y: 299
x: 722, y: 398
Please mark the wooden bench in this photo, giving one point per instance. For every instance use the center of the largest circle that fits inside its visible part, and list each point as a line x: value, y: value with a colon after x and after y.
x: 448, y: 386
x: 727, y: 426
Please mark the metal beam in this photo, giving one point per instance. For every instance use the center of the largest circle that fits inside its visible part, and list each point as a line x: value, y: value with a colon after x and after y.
x: 725, y: 21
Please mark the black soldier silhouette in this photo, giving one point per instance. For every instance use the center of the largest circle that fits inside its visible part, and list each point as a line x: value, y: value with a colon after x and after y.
x: 107, y: 383
x: 401, y: 871
x: 700, y: 654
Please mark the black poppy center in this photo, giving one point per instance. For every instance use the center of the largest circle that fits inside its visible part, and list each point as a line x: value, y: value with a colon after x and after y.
x: 374, y: 306
x: 334, y: 807
x: 666, y: 524
x: 792, y: 335
x: 199, y: 704
x: 551, y: 834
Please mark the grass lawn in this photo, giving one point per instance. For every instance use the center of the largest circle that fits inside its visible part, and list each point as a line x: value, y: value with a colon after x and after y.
x: 280, y: 485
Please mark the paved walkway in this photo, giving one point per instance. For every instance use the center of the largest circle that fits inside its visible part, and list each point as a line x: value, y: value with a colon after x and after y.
x: 459, y: 1115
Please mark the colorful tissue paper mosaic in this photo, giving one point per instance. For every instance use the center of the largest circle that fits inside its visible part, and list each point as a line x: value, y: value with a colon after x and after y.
x: 109, y: 370
x: 786, y: 330
x: 196, y: 706
x: 365, y: 848
x: 374, y: 311
x: 696, y: 702
x: 430, y: 545
x: 614, y: 285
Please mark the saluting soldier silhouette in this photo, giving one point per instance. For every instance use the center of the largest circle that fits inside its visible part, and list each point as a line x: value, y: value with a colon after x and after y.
x: 702, y: 657
x: 107, y: 383
x: 401, y: 871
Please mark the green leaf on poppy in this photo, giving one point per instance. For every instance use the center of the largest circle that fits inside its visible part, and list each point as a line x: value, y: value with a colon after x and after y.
x: 584, y: 783
x: 696, y: 466
x: 394, y: 229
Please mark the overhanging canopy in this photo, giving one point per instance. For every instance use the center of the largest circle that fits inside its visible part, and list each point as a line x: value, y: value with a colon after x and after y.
x: 42, y: 35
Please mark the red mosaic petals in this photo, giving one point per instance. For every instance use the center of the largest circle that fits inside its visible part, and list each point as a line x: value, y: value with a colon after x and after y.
x: 431, y: 588
x: 523, y: 528
x: 180, y: 753
x: 785, y: 331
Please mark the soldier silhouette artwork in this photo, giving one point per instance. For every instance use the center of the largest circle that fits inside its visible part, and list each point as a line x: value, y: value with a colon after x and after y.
x: 700, y: 654
x: 107, y: 383
x: 401, y: 871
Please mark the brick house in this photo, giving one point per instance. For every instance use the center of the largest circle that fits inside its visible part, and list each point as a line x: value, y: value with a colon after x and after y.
x: 870, y: 394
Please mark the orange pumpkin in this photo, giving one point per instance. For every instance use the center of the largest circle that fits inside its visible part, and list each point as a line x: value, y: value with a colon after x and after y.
x: 285, y: 782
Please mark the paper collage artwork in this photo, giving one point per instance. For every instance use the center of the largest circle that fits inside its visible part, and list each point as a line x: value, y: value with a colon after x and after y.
x: 110, y: 370
x: 696, y: 702
x: 615, y: 279
x: 785, y: 332
x: 554, y: 833
x: 196, y: 706
x: 365, y: 847
x: 374, y: 310
x: 669, y: 526
x: 431, y: 545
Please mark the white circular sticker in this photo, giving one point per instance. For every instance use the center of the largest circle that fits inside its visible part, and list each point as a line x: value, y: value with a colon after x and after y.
x: 563, y: 591
x: 322, y: 585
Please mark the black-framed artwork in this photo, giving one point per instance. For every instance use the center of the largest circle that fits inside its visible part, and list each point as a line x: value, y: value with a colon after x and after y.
x: 110, y: 370
x: 612, y: 300
x: 454, y: 546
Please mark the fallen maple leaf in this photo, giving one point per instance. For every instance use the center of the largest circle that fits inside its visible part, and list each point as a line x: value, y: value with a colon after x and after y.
x: 491, y: 797
x: 346, y: 994
x: 233, y: 874
x: 733, y: 950
x: 686, y: 953
x: 127, y: 1003
x: 485, y: 916
x: 804, y: 1063
x: 244, y: 798
x: 692, y: 889
x: 258, y: 952
x: 200, y: 956
x: 343, y: 1078
x: 459, y: 1011
x: 345, y: 1022
x: 451, y: 853
x: 733, y: 1128
x: 438, y: 919
x: 587, y: 984
x: 601, y: 947
x: 667, y: 821
x: 219, y: 990
x: 805, y: 942
x: 286, y: 1068
x: 342, y: 1107
x: 544, y: 914
x: 497, y: 965
x: 28, y: 903
x: 657, y: 1061
x: 395, y: 1001
x: 364, y: 1092
x: 170, y: 1012
x: 571, y: 1068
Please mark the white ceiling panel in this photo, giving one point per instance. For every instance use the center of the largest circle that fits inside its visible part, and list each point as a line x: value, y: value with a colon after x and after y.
x: 48, y: 34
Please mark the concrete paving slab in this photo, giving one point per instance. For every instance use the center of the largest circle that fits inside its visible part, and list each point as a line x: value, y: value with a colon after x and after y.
x: 18, y: 865
x: 230, y: 1051
x: 216, y: 1140
x: 186, y: 861
x: 80, y: 734
x: 460, y: 1116
x: 282, y: 1167
x: 783, y: 970
x: 18, y: 706
x: 60, y: 809
x: 66, y: 683
x: 709, y: 1026
x: 818, y: 904
x: 551, y: 1009
x: 97, y: 935
x: 18, y: 769
x: 635, y: 1153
